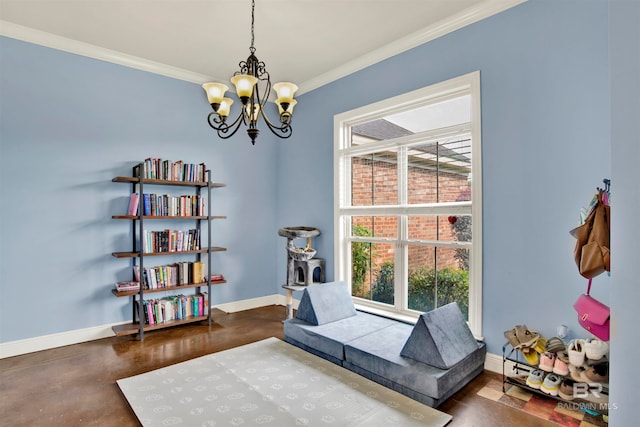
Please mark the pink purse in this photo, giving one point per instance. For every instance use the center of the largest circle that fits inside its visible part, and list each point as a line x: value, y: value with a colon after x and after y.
x: 593, y: 315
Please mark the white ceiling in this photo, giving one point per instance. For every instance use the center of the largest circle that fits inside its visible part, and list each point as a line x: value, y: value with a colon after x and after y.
x: 309, y: 42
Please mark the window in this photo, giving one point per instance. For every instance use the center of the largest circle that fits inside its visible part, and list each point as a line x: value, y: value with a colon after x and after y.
x: 408, y: 211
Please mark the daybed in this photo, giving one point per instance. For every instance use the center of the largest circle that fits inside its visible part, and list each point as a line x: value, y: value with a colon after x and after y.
x: 428, y: 361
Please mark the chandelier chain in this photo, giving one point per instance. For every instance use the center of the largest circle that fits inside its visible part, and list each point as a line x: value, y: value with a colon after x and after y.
x: 252, y: 49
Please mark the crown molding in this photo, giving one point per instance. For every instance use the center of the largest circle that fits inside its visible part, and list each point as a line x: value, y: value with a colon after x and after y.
x: 19, y: 32
x: 467, y: 17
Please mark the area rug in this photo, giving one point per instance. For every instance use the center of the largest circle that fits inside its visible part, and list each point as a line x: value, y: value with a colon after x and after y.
x: 269, y: 383
x: 567, y: 414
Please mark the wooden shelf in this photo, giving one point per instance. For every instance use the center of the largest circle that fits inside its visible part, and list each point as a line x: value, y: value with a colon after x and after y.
x: 166, y: 217
x: 134, y: 328
x: 165, y: 289
x: 134, y: 180
x: 146, y: 254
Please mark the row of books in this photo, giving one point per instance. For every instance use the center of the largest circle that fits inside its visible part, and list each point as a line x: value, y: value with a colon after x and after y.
x: 179, y: 273
x: 176, y: 307
x: 170, y: 275
x: 156, y: 168
x: 171, y: 241
x: 166, y: 205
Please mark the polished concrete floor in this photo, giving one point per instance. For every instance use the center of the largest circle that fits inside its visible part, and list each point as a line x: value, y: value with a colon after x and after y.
x: 76, y: 385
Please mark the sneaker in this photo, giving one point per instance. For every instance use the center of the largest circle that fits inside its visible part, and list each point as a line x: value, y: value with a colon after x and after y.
x: 566, y: 389
x: 596, y: 374
x: 576, y: 352
x: 547, y: 360
x: 595, y: 349
x: 551, y: 384
x: 563, y: 355
x: 535, y: 378
x: 560, y: 367
x: 576, y: 373
x: 555, y: 344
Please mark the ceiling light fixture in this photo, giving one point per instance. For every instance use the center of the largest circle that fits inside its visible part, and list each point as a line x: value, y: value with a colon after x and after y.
x: 248, y: 82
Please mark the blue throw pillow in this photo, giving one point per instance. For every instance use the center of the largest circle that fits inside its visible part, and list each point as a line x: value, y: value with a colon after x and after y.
x: 325, y: 303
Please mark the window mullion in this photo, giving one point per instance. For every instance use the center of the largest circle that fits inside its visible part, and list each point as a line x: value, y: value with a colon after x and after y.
x: 401, y: 259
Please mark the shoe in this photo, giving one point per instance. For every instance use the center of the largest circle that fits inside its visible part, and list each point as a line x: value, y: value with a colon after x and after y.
x: 575, y: 349
x: 541, y: 345
x: 535, y: 378
x: 555, y: 345
x: 526, y: 337
x: 595, y: 349
x: 511, y: 337
x: 530, y: 355
x: 562, y: 355
x: 551, y: 384
x: 547, y: 360
x: 560, y: 367
x: 596, y: 374
x: 576, y: 373
x: 566, y: 389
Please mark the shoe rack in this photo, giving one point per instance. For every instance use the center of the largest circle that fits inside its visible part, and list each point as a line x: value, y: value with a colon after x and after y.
x: 515, y: 370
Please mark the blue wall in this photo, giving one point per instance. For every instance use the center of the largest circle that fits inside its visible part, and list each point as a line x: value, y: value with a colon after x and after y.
x: 68, y: 125
x: 545, y: 141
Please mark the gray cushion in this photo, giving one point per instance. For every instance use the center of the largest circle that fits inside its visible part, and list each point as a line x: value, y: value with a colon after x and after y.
x: 378, y: 355
x: 440, y: 338
x: 328, y: 339
x: 324, y: 303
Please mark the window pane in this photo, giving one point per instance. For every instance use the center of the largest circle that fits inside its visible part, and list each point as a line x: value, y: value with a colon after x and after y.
x: 440, y: 171
x: 374, y: 179
x: 372, y: 271
x: 438, y: 276
x: 452, y: 228
x: 375, y: 226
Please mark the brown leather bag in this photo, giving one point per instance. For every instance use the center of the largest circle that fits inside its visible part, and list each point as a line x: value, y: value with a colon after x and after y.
x: 591, y: 252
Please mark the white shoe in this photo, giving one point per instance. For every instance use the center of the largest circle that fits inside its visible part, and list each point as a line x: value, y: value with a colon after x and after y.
x: 576, y: 352
x: 595, y: 349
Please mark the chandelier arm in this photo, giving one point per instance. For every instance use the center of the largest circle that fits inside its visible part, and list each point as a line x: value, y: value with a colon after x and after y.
x: 284, y: 131
x: 222, y: 127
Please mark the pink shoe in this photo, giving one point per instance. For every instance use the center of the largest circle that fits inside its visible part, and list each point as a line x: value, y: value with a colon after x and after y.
x: 547, y: 360
x: 560, y: 367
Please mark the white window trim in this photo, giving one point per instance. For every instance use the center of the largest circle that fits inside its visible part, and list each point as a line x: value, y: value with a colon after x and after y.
x: 468, y: 83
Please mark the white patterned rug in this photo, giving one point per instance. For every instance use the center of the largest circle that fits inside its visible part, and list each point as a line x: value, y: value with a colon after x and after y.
x: 270, y: 383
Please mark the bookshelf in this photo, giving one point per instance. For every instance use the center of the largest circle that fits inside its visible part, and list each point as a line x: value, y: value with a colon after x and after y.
x: 189, y: 209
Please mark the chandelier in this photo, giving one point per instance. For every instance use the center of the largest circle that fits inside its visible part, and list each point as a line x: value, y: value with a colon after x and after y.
x: 253, y: 86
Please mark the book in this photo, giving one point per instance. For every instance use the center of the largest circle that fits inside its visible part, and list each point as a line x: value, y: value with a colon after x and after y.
x: 146, y: 202
x: 127, y: 286
x: 216, y: 277
x: 134, y: 201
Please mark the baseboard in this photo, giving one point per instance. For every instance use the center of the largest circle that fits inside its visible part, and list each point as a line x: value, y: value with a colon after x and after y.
x: 493, y: 363
x: 46, y: 342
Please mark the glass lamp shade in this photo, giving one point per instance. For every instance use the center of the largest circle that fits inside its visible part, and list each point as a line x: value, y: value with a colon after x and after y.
x: 225, y: 107
x: 285, y: 91
x: 289, y: 110
x: 215, y: 92
x: 244, y: 84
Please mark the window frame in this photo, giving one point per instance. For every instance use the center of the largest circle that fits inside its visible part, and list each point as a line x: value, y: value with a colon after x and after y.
x: 343, y: 152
